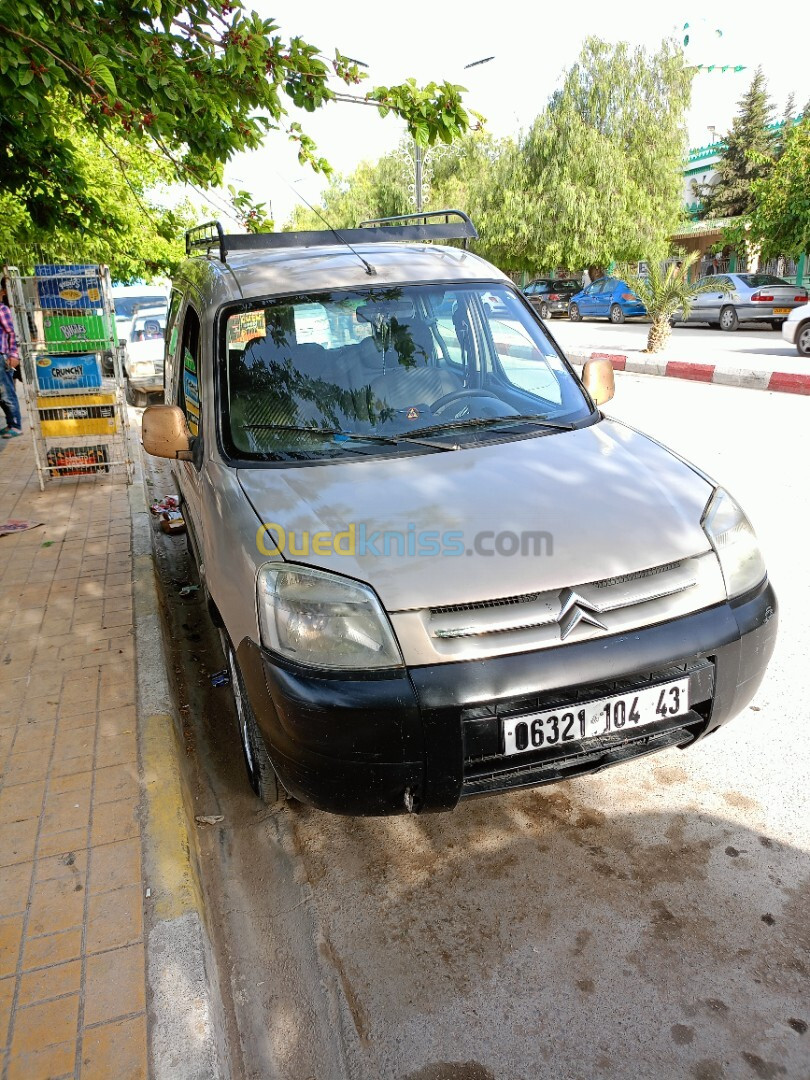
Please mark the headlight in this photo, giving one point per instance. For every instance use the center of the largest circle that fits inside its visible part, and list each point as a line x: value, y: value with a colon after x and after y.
x: 323, y: 620
x: 735, y: 542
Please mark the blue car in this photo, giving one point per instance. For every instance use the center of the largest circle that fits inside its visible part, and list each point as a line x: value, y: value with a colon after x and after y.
x: 605, y: 298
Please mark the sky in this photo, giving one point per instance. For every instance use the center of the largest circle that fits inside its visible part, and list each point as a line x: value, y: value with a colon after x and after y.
x: 531, y: 47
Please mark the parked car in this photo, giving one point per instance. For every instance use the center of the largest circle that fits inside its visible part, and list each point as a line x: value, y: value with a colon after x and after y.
x: 752, y: 298
x: 436, y: 574
x: 796, y: 329
x: 127, y: 299
x: 606, y: 298
x: 144, y: 355
x: 551, y: 297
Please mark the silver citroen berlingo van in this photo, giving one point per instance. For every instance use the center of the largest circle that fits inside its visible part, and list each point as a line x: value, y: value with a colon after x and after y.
x: 438, y: 569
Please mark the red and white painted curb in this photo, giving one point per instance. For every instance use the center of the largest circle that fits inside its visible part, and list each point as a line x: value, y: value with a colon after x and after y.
x: 783, y: 381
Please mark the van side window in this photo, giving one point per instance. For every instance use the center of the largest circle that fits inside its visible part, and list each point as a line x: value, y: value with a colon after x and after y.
x: 172, y: 330
x: 188, y: 391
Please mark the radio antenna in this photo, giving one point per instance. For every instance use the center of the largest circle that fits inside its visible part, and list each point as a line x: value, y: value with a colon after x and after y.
x: 369, y: 268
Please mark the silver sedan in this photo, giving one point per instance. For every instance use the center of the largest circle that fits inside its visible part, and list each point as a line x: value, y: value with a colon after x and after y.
x: 752, y: 298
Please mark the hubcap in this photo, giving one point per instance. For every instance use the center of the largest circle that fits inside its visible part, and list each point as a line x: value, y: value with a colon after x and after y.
x: 804, y: 340
x: 727, y: 318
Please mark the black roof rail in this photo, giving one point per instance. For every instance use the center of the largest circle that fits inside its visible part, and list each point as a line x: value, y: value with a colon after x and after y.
x: 417, y: 227
x: 206, y: 236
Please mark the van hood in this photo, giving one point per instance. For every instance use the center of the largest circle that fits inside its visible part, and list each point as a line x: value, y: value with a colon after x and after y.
x: 509, y: 518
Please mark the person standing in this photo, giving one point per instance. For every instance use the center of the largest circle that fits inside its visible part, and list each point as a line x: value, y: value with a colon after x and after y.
x: 9, y: 362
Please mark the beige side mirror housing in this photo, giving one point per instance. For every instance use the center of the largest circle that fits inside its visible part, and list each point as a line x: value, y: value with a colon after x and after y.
x: 598, y: 380
x: 164, y: 432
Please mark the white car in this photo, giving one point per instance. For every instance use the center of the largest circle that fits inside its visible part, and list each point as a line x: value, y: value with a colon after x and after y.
x: 144, y: 355
x: 129, y: 299
x: 796, y: 329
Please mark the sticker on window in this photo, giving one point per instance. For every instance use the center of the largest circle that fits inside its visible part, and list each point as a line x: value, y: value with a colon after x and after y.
x: 191, y: 393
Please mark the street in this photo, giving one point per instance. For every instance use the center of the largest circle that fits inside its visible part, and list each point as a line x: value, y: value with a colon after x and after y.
x: 757, y: 347
x: 647, y: 921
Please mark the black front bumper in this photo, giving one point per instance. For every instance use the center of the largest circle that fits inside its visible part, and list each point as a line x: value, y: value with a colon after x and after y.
x: 426, y: 737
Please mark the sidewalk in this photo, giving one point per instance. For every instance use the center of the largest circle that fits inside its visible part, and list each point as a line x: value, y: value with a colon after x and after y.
x: 72, y: 962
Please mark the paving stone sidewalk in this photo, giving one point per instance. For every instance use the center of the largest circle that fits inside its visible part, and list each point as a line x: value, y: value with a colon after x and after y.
x: 72, y: 973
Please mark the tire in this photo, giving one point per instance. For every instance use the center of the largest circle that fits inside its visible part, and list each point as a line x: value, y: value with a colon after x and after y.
x: 544, y: 312
x: 261, y: 774
x: 777, y: 324
x: 573, y: 313
x: 728, y: 318
x: 803, y: 339
x: 616, y: 315
x: 130, y: 395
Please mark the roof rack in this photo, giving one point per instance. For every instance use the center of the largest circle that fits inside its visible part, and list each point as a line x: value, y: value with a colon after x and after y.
x: 202, y: 238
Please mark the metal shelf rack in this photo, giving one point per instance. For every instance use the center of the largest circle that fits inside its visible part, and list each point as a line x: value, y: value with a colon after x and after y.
x: 72, y: 370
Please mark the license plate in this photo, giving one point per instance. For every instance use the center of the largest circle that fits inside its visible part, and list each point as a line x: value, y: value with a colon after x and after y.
x: 781, y: 311
x: 586, y: 720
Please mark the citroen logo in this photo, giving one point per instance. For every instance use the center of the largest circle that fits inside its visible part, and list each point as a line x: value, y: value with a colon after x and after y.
x: 574, y: 609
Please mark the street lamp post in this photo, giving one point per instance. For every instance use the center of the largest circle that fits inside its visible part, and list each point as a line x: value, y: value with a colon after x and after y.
x: 419, y: 154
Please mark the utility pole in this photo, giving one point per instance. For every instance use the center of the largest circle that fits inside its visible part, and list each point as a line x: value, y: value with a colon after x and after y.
x: 418, y: 161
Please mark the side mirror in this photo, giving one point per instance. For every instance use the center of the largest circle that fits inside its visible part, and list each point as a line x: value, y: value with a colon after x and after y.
x: 164, y: 432
x: 597, y: 378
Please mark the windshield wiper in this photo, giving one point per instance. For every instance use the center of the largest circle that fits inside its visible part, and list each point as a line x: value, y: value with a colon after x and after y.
x: 392, y: 440
x: 489, y: 421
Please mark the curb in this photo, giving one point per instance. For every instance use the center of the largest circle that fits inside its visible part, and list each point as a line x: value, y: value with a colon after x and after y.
x: 780, y: 381
x: 185, y: 1013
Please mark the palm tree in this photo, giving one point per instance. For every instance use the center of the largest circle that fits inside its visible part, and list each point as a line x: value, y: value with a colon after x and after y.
x: 665, y: 292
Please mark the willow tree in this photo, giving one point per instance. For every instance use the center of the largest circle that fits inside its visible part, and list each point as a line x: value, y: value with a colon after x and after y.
x: 597, y: 178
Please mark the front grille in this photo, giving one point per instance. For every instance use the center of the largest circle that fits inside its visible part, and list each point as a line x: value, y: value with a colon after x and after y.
x: 486, y: 768
x: 543, y: 610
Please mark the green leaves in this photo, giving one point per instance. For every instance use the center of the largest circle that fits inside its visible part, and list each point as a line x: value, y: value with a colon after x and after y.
x: 779, y: 220
x: 196, y: 80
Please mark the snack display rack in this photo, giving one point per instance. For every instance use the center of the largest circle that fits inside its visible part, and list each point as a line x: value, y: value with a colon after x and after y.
x: 72, y: 370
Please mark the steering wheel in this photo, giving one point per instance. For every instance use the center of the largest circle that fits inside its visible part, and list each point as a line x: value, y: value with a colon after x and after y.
x: 456, y: 395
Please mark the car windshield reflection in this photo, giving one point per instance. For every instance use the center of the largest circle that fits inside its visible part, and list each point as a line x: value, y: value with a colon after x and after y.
x: 386, y: 362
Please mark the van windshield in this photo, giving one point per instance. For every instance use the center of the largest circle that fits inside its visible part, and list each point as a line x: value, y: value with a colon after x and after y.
x: 126, y: 306
x: 309, y: 377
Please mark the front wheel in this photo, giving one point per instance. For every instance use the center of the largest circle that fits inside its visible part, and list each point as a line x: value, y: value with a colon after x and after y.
x: 574, y: 313
x: 803, y: 340
x: 261, y: 774
x: 616, y: 314
x: 728, y: 319
x: 544, y: 312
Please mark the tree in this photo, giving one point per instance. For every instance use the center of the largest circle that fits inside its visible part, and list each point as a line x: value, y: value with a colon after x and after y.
x: 779, y: 219
x: 598, y: 177
x: 193, y: 80
x: 374, y: 189
x: 117, y: 187
x: 747, y: 157
x: 664, y: 292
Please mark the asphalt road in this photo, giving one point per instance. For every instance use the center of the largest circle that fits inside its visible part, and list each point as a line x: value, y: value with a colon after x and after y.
x: 756, y: 347
x: 651, y: 921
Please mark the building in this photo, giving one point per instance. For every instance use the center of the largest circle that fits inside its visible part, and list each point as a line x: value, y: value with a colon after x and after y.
x: 704, y: 234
